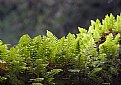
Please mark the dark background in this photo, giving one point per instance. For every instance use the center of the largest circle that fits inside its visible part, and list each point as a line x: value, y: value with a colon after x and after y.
x: 34, y: 17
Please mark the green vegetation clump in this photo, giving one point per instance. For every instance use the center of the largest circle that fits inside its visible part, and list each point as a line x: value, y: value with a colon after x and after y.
x: 89, y: 57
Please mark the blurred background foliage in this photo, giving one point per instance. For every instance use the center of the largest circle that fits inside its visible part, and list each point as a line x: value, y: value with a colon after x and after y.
x: 34, y: 17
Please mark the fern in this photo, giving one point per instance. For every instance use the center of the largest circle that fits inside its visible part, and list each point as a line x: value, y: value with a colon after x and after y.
x: 91, y: 55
